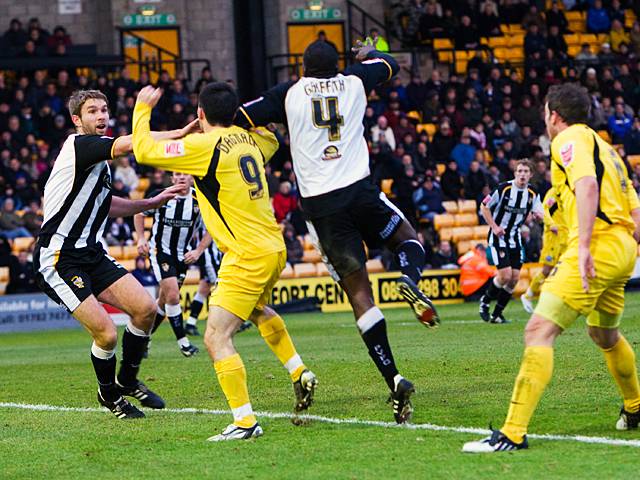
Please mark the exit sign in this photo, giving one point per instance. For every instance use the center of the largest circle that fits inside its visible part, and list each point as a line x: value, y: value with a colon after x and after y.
x: 157, y: 20
x: 308, y: 15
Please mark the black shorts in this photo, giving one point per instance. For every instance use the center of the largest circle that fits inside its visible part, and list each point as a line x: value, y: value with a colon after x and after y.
x: 362, y: 213
x: 209, y: 263
x: 503, y: 257
x: 167, y: 266
x: 71, y: 276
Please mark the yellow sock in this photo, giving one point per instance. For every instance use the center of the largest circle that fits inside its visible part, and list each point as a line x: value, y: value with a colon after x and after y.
x: 536, y: 284
x: 535, y: 373
x: 276, y: 336
x: 233, y: 381
x: 622, y: 364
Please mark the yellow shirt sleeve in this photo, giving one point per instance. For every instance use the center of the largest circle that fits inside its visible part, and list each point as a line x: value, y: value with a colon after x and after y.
x: 267, y: 142
x: 632, y: 196
x: 191, y: 154
x: 575, y: 155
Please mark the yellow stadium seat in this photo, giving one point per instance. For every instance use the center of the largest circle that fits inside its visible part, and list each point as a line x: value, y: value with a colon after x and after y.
x: 442, y: 43
x: 450, y: 206
x: 322, y: 270
x: 573, y: 16
x: 148, y: 223
x: 128, y: 264
x: 501, y: 53
x: 386, y: 185
x: 440, y: 168
x: 573, y: 38
x: 590, y: 38
x: 515, y: 54
x: 311, y: 256
x: 467, y: 206
x: 446, y: 233
x: 516, y: 28
x: 578, y: 27
x: 143, y: 184
x: 375, y: 266
x: 430, y: 128
x: 573, y: 50
x: 192, y: 277
x: 445, y: 57
x: 481, y: 232
x: 308, y: 243
x: 605, y: 135
x: 461, y: 66
x: 287, y: 272
x: 415, y: 115
x: 463, y: 246
x: 4, y: 274
x: 498, y: 42
x: 602, y: 38
x: 516, y: 40
x: 444, y: 220
x: 504, y: 28
x: 305, y: 270
x: 22, y: 243
x: 633, y: 160
x: 136, y: 195
x: 462, y: 233
x: 129, y: 252
x: 466, y: 220
x: 115, y: 251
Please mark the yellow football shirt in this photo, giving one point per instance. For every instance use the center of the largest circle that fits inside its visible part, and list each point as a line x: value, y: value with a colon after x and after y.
x: 579, y: 152
x: 553, y: 214
x: 228, y: 168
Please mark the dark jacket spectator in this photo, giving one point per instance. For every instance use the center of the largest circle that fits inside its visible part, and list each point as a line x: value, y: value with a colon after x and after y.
x: 15, y: 36
x: 22, y: 278
x: 534, y: 41
x: 451, y: 182
x: 556, y: 18
x: 556, y: 42
x: 474, y: 182
x: 620, y: 123
x: 631, y: 140
x: 466, y: 36
x: 295, y: 250
x: 444, y: 256
x: 143, y: 274
x: 428, y: 199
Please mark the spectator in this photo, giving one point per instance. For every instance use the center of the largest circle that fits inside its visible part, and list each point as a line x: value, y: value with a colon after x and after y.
x: 444, y: 257
x: 616, y: 12
x: 11, y: 224
x: 127, y: 174
x: 284, y: 202
x: 631, y: 140
x: 119, y: 233
x: 474, y: 182
x: 488, y: 20
x: 22, y: 278
x: 322, y: 37
x: 33, y: 218
x: 428, y: 199
x: 598, y: 19
x: 530, y: 244
x: 416, y: 92
x: 618, y: 35
x: 34, y: 24
x: 451, y: 182
x: 620, y: 123
x: 634, y: 37
x: 534, y: 17
x: 556, y: 42
x: 143, y: 273
x: 379, y: 41
x: 295, y: 250
x: 15, y: 36
x: 534, y: 41
x: 463, y: 153
x: 382, y: 129
x: 403, y: 187
x: 466, y: 37
x: 556, y: 18
x: 430, y: 25
x: 59, y: 38
x: 119, y: 189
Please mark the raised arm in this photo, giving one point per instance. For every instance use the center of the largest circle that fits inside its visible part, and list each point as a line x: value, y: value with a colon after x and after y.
x: 123, y: 207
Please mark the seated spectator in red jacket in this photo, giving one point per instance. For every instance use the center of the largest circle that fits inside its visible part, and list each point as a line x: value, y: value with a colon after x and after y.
x: 284, y: 202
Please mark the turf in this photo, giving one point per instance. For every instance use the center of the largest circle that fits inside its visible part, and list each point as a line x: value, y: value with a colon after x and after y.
x: 463, y: 371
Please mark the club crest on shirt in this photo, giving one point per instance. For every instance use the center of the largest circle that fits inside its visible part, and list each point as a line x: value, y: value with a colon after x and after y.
x: 566, y: 153
x: 77, y: 281
x: 501, y: 253
x: 331, y: 153
x: 165, y: 267
x: 174, y: 149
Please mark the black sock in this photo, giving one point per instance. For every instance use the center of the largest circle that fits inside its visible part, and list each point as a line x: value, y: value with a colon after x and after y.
x: 196, y: 308
x: 377, y: 343
x: 503, y: 299
x: 177, y: 325
x: 491, y: 294
x: 411, y: 258
x: 158, y: 320
x: 133, y: 347
x: 106, y: 375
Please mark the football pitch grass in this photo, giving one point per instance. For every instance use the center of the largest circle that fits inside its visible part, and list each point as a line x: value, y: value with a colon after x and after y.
x: 463, y: 372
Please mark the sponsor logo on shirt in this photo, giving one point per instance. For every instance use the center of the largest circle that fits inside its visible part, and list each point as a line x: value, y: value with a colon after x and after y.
x: 331, y: 153
x: 174, y: 149
x: 566, y: 153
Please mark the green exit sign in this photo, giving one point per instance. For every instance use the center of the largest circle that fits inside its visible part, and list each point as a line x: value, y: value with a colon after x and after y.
x: 308, y: 15
x: 156, y: 20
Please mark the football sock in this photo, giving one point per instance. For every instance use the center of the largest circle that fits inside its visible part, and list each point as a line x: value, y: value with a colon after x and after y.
x: 373, y: 329
x: 134, y: 344
x: 104, y: 364
x: 174, y: 313
x: 232, y: 377
x: 622, y: 364
x: 536, y: 284
x: 158, y: 320
x: 196, y: 308
x: 411, y: 258
x: 275, y: 334
x: 492, y: 291
x: 504, y: 295
x: 535, y: 373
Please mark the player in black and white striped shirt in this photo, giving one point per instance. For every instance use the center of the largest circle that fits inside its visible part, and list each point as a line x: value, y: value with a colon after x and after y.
x: 505, y: 211
x: 71, y: 265
x: 170, y: 253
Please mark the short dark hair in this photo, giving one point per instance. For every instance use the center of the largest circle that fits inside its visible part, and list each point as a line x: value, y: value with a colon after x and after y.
x: 79, y: 97
x: 570, y: 101
x: 219, y: 102
x: 526, y: 163
x: 320, y: 59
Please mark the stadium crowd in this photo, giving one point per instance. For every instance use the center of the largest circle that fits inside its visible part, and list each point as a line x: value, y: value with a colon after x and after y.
x: 483, y: 121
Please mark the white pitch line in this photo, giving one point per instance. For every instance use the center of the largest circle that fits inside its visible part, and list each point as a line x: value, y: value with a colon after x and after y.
x: 344, y: 421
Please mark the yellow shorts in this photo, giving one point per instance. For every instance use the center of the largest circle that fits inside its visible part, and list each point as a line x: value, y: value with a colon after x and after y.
x: 553, y: 245
x: 245, y: 284
x: 562, y: 299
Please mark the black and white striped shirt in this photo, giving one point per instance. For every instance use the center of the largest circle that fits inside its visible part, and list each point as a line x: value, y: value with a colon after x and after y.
x: 77, y: 196
x: 173, y: 225
x: 212, y: 256
x: 510, y: 207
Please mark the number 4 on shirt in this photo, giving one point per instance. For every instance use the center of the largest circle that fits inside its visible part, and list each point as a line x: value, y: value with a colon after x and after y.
x: 326, y: 114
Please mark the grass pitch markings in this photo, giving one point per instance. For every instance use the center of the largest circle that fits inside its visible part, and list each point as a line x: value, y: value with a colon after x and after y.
x: 339, y: 421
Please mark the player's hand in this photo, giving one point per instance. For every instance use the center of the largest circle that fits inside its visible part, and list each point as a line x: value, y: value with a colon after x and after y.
x: 164, y: 196
x: 191, y: 127
x: 498, y: 231
x: 361, y: 50
x: 554, y: 229
x: 143, y: 247
x: 150, y: 95
x: 586, y: 266
x: 192, y: 256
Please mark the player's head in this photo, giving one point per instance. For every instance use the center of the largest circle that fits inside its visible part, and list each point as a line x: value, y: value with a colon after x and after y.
x: 89, y: 111
x: 565, y: 105
x: 523, y: 173
x: 186, y: 181
x: 217, y: 104
x: 481, y: 250
x: 320, y: 60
